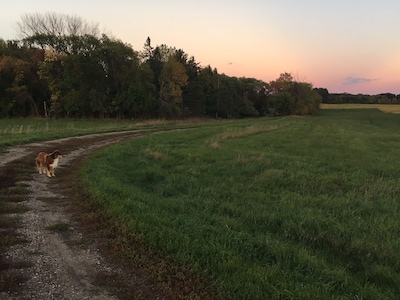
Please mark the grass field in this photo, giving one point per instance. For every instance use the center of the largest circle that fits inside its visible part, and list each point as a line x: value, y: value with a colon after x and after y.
x: 274, y: 208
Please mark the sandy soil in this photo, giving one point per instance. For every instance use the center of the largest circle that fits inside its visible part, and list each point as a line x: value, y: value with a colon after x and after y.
x: 64, y: 265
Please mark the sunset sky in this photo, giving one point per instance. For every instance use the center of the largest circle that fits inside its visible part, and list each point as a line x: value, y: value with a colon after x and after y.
x: 345, y: 46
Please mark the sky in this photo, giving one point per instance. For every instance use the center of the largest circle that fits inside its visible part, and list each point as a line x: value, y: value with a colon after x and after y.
x: 350, y: 46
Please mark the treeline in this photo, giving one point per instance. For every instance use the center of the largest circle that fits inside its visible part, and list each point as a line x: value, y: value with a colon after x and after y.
x: 65, y: 68
x: 343, y: 98
x: 86, y: 76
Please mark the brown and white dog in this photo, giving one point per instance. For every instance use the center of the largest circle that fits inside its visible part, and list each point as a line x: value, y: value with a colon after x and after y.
x: 47, y: 162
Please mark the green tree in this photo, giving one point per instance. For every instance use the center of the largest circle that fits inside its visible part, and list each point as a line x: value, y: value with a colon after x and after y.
x: 7, y: 75
x: 147, y: 51
x: 94, y: 79
x: 229, y: 97
x: 323, y: 93
x: 282, y: 102
x: 254, y: 97
x: 209, y: 80
x: 120, y: 64
x: 247, y: 108
x: 305, y: 100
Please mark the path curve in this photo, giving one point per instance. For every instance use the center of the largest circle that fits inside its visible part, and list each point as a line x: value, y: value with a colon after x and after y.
x: 63, y: 265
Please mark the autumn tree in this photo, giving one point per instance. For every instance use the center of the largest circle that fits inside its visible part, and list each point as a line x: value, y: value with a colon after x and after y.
x: 282, y: 83
x: 21, y: 90
x: 193, y: 103
x: 294, y: 98
x: 172, y: 78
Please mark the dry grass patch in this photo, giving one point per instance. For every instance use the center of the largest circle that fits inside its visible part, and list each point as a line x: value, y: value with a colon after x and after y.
x: 235, y: 133
x: 155, y: 154
x: 390, y: 108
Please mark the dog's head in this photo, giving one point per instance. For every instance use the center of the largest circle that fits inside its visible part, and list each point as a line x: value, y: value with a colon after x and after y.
x: 55, y: 154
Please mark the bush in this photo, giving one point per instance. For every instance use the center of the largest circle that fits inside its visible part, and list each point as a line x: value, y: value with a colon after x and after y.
x: 298, y: 99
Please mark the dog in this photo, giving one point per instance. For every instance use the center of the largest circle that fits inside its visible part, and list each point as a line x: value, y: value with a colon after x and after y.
x: 47, y: 162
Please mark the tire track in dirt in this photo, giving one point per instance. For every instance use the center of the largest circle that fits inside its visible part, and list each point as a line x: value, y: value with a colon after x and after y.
x: 63, y: 266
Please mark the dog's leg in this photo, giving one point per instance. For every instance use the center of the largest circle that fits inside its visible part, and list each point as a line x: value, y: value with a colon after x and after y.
x: 48, y: 171
x: 38, y: 167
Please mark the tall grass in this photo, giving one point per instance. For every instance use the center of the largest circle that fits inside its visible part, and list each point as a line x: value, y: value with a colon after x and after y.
x: 17, y: 131
x: 292, y: 208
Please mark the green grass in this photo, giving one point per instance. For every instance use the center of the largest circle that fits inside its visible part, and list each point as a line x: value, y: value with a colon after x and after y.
x: 289, y: 208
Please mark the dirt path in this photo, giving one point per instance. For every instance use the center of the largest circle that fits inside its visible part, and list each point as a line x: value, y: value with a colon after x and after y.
x: 64, y: 263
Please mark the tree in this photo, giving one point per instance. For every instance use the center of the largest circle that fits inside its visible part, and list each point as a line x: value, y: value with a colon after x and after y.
x: 96, y: 79
x: 228, y: 97
x: 209, y: 81
x: 21, y: 90
x: 306, y: 101
x: 323, y: 93
x: 120, y: 63
x: 53, y: 24
x: 147, y: 51
x: 173, y: 77
x: 282, y: 103
x: 141, y: 100
x: 282, y: 83
x: 193, y: 103
x: 255, y: 97
x: 294, y: 98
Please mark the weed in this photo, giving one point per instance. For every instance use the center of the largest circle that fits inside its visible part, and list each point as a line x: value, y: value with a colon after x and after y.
x: 58, y: 227
x: 12, y: 208
x: 50, y: 200
x: 10, y: 238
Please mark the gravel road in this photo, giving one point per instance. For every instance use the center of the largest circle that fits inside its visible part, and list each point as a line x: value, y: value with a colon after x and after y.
x: 63, y: 264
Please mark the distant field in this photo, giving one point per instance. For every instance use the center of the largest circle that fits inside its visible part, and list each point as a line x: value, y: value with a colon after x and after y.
x: 392, y: 108
x: 274, y: 208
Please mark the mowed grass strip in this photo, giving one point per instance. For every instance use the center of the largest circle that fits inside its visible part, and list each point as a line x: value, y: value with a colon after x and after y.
x: 308, y: 210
